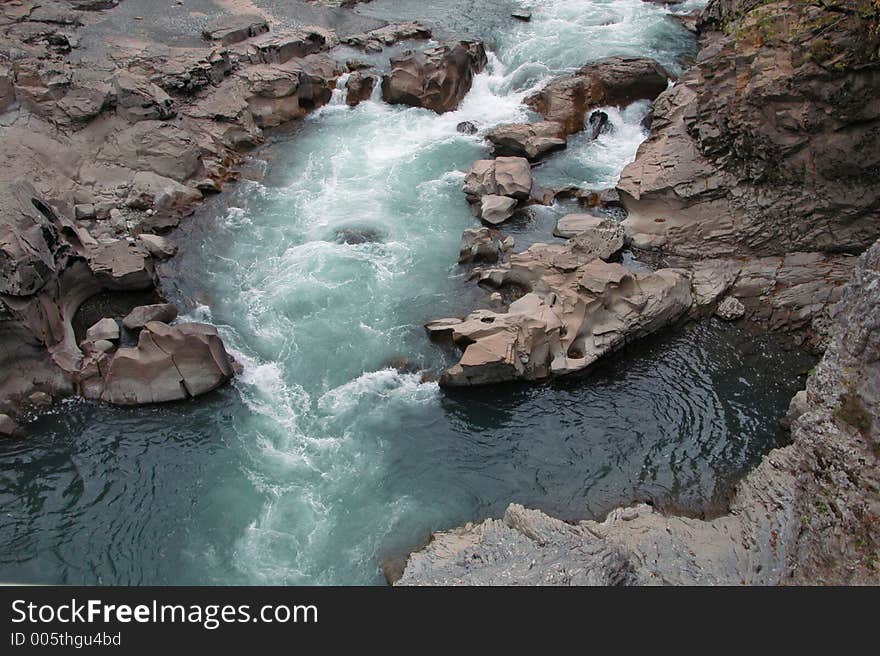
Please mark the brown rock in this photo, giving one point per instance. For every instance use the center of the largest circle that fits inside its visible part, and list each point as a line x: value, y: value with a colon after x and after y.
x: 530, y: 140
x: 144, y: 314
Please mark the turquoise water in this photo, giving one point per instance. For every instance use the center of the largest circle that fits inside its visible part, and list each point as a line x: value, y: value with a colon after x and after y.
x: 322, y: 461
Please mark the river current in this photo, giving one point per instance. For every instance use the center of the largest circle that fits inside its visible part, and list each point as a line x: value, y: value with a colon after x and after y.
x: 322, y: 461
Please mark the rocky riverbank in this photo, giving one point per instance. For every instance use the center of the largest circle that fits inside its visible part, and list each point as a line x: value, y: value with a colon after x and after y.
x: 755, y: 188
x: 116, y: 121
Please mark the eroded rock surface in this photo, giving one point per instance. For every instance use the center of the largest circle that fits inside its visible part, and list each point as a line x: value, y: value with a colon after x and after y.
x: 437, y: 78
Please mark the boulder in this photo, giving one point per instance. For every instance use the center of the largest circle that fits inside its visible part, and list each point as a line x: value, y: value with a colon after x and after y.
x: 144, y: 314
x: 152, y: 191
x: 437, y: 78
x: 359, y: 88
x: 483, y: 245
x: 105, y: 329
x: 159, y: 247
x: 467, y: 127
x: 598, y: 124
x: 730, y: 309
x: 600, y: 236
x: 234, y: 28
x: 496, y: 209
x: 504, y: 176
x: 282, y: 46
x: 170, y: 363
x: 612, y: 81
x: 530, y: 140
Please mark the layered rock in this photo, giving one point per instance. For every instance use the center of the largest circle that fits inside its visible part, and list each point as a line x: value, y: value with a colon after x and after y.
x: 612, y: 81
x: 437, y: 78
x: 770, y: 144
x: 807, y: 514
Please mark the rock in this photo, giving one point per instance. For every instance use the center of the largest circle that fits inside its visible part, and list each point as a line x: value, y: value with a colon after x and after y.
x: 496, y: 209
x: 530, y: 140
x: 613, y: 81
x: 152, y: 191
x: 7, y: 426
x: 84, y: 212
x: 599, y: 123
x: 282, y: 46
x: 168, y: 364
x: 466, y: 127
x: 717, y: 179
x: 437, y: 78
x: 513, y: 177
x: 359, y: 88
x: 521, y: 15
x: 576, y: 309
x: 730, y: 309
x: 40, y: 400
x: 105, y: 329
x: 388, y: 35
x: 138, y: 99
x: 591, y: 235
x: 159, y: 247
x: 798, y: 407
x: 144, y: 314
x: 102, y: 346
x: 234, y: 28
x: 28, y: 240
x: 482, y: 245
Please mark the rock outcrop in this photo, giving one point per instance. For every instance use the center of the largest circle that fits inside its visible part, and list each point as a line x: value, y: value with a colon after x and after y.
x: 612, y: 81
x: 437, y: 78
x: 807, y: 515
x: 770, y: 144
x: 530, y: 140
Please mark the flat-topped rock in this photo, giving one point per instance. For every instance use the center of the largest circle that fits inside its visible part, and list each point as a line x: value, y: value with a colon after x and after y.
x: 530, y: 140
x: 235, y: 28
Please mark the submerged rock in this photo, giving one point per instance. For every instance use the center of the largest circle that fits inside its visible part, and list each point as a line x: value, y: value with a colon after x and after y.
x: 437, y: 78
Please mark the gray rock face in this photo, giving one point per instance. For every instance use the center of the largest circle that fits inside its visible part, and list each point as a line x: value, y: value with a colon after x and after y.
x: 437, y: 78
x: 168, y: 364
x: 806, y: 514
x: 530, y: 140
x: 613, y: 81
x: 138, y: 99
x: 28, y: 240
x: 718, y: 178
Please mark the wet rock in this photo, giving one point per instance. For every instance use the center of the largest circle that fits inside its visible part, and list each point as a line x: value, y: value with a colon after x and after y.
x: 168, y: 364
x: 483, y: 245
x: 466, y: 127
x: 504, y: 176
x: 530, y: 140
x: 437, y: 78
x: 7, y: 426
x: 599, y: 123
x: 522, y: 15
x: 496, y: 209
x: 39, y: 400
x: 359, y: 88
x: 360, y: 235
x: 159, y: 247
x: 235, y: 28
x: 730, y: 309
x: 144, y: 314
x: 105, y: 329
x: 613, y: 81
